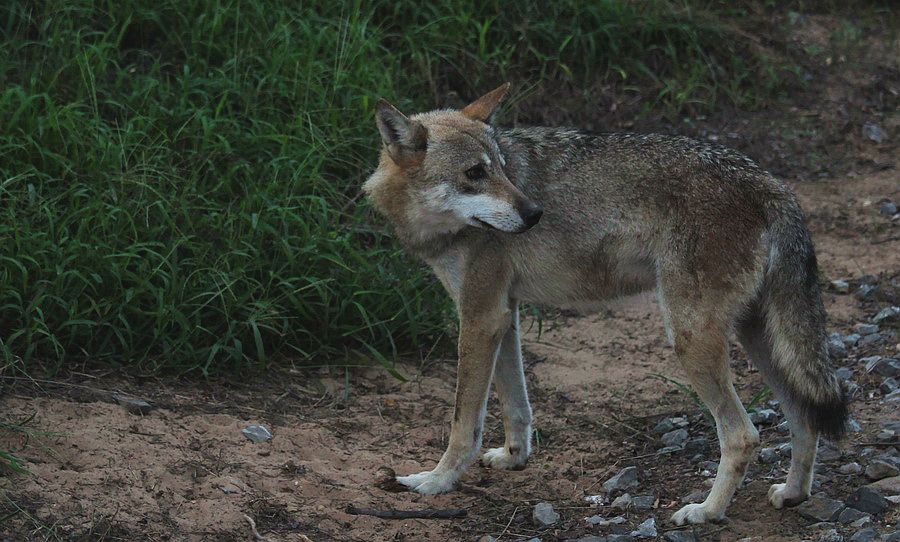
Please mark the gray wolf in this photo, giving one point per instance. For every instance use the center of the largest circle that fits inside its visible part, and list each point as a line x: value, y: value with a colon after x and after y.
x: 563, y: 218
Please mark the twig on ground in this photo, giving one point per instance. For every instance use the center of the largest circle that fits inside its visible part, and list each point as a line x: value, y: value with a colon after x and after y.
x: 256, y: 535
x: 451, y: 513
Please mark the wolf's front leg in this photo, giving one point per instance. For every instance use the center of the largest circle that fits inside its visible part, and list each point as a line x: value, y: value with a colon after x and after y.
x: 509, y: 377
x: 479, y: 338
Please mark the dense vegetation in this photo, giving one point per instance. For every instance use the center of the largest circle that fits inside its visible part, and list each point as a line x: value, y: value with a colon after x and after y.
x: 179, y: 180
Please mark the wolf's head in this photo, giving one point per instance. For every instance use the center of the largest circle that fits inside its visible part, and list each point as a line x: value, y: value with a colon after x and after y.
x: 443, y: 170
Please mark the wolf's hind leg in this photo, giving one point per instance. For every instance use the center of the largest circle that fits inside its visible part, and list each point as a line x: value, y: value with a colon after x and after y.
x: 509, y: 377
x: 804, y: 439
x: 701, y: 344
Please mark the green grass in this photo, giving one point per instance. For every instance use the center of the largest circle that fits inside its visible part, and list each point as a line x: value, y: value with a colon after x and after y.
x: 179, y: 180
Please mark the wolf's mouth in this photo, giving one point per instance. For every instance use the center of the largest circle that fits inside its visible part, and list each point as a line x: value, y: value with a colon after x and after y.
x: 485, y: 224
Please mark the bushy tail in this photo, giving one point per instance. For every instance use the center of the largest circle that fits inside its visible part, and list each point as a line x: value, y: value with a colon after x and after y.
x: 790, y: 305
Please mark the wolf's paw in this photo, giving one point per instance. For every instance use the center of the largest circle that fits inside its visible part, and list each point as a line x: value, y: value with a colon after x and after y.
x: 780, y: 496
x: 500, y: 458
x: 696, y: 513
x: 429, y: 482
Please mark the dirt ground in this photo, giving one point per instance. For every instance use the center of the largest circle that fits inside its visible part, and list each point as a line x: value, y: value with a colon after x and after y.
x: 598, y: 385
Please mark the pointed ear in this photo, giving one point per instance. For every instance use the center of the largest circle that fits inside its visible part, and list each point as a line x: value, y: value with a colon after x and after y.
x: 401, y: 136
x: 484, y: 108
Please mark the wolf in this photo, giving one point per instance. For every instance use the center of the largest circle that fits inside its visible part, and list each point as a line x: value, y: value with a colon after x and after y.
x: 560, y: 217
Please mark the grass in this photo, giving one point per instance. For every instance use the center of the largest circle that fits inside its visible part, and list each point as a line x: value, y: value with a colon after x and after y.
x: 179, y: 180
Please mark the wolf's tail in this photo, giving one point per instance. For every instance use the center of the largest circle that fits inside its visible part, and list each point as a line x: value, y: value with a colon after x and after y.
x: 790, y: 320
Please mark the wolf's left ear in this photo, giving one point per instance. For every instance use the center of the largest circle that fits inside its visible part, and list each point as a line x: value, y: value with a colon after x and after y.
x: 483, y: 108
x: 401, y: 136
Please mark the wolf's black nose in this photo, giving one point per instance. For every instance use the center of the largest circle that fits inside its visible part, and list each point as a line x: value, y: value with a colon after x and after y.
x: 532, y: 215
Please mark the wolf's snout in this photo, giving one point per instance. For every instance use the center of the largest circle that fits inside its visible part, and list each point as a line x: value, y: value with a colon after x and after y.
x: 531, y: 215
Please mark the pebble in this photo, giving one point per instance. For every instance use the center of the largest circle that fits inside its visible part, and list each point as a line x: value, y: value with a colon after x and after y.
x: 864, y: 291
x: 820, y: 508
x: 768, y: 455
x: 595, y: 499
x: 133, y: 404
x: 840, y: 286
x: 663, y: 426
x: 622, y: 502
x: 874, y: 132
x: 675, y: 438
x: 885, y: 435
x: 625, y: 479
x: 892, y: 397
x: 680, y: 536
x: 765, y: 416
x: 694, y: 497
x: 849, y: 515
x: 866, y: 499
x: 699, y: 445
x: 853, y: 426
x: 892, y: 537
x: 888, y: 385
x: 783, y: 427
x: 865, y: 535
x: 836, y: 349
x: 888, y: 208
x: 601, y: 521
x: 831, y: 535
x: 851, y: 389
x: 487, y: 538
x: 850, y: 468
x: 843, y: 374
x: 866, y: 329
x: 544, y: 515
x: 644, y: 502
x: 852, y: 339
x: 888, y: 367
x: 874, y: 338
x: 257, y: 433
x: 887, y: 314
x: 878, y: 470
x: 647, y: 529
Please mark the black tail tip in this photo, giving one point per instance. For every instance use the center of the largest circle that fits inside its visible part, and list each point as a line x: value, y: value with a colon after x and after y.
x: 830, y: 418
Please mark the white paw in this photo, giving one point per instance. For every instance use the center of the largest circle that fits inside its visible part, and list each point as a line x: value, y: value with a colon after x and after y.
x: 429, y: 482
x: 500, y: 458
x: 696, y: 513
x: 780, y: 496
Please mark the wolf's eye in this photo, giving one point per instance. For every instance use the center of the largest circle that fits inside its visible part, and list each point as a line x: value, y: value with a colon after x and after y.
x: 476, y: 173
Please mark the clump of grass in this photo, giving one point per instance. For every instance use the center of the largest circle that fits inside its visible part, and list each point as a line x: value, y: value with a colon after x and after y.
x: 179, y: 180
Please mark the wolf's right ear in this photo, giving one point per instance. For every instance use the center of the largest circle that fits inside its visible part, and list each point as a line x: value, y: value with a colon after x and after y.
x: 402, y: 137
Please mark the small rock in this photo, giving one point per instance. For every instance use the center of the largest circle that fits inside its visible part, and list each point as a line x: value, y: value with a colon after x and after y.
x: 892, y: 537
x: 783, y: 427
x: 785, y: 450
x: 850, y: 468
x: 765, y: 416
x: 697, y: 445
x: 625, y: 479
x: 853, y: 426
x: 487, y: 538
x: 680, y: 536
x: 386, y: 479
x: 595, y: 499
x: 887, y: 367
x: 644, y: 502
x: 874, y: 338
x: 836, y: 349
x: 669, y: 450
x: 851, y: 389
x: 622, y: 502
x: 133, y: 404
x: 675, y: 438
x: 885, y: 435
x: 877, y: 470
x: 680, y: 422
x: 861, y: 522
x: 821, y: 508
x: 866, y: 329
x: 888, y: 385
x: 828, y: 452
x: 695, y: 497
x: 852, y: 339
x: 873, y: 132
x: 887, y: 486
x: 888, y: 208
x: 600, y: 521
x: 864, y: 291
x: 647, y: 529
x: 866, y: 499
x: 544, y: 515
x: 843, y: 374
x: 831, y: 535
x: 887, y: 314
x: 619, y: 538
x: 257, y: 433
x: 865, y: 535
x: 664, y: 426
x: 840, y: 286
x: 849, y: 515
x: 768, y: 455
x: 892, y: 397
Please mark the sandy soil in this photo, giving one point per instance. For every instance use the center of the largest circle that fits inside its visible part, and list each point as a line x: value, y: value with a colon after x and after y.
x: 185, y: 472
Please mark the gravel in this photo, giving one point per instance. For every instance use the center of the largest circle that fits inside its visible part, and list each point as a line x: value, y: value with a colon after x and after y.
x: 544, y: 515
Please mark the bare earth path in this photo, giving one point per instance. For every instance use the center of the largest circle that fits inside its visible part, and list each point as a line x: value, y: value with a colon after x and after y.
x: 185, y: 472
